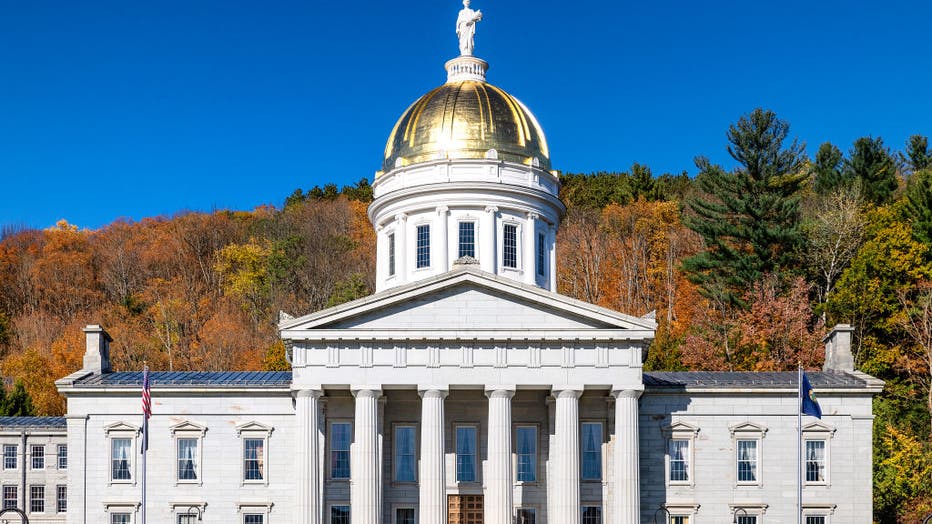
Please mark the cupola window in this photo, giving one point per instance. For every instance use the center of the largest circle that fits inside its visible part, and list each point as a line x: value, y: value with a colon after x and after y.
x: 391, y: 254
x: 467, y: 244
x: 423, y: 246
x: 540, y: 254
x: 510, y: 248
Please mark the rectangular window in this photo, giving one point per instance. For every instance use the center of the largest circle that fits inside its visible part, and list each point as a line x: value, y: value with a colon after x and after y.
x: 679, y: 519
x: 747, y: 519
x: 37, y: 499
x: 120, y: 456
x: 510, y: 246
x: 62, y: 497
x: 9, y: 456
x: 541, y: 252
x: 254, y: 459
x: 423, y: 246
x: 391, y: 254
x: 747, y: 461
x: 679, y: 461
x: 405, y: 460
x: 526, y: 516
x: 526, y: 447
x: 341, y: 435
x: 187, y: 519
x: 38, y: 457
x: 187, y: 459
x: 339, y: 515
x: 591, y: 515
x: 815, y: 461
x: 62, y: 456
x: 252, y: 518
x: 591, y: 447
x: 465, y: 453
x: 467, y: 242
x: 404, y: 516
x: 815, y: 519
x: 10, y: 497
x: 119, y: 518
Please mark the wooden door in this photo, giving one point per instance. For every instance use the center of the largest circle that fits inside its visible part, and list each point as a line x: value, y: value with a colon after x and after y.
x: 464, y: 509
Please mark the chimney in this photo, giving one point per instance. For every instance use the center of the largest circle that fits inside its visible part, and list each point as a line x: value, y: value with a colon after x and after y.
x: 838, y: 356
x: 97, y: 353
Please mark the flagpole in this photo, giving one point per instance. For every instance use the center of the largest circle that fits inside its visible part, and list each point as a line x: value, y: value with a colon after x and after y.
x: 146, y: 413
x: 799, y: 447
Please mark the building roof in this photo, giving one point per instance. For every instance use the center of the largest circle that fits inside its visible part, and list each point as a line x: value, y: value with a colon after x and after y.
x: 187, y: 379
x: 755, y: 379
x: 282, y: 379
x: 32, y: 423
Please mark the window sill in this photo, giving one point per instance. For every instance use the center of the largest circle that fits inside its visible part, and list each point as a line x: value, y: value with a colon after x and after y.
x: 188, y: 483
x: 686, y: 483
x: 122, y: 482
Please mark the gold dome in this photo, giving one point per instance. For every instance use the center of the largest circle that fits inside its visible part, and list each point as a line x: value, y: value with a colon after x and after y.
x: 466, y: 119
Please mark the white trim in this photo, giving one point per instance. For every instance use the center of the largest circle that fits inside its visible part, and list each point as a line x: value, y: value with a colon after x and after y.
x: 681, y: 431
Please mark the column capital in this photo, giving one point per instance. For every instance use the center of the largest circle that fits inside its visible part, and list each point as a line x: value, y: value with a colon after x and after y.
x: 632, y: 392
x: 500, y: 391
x: 491, y: 209
x: 433, y: 391
x: 366, y: 391
x: 533, y: 215
x: 565, y: 391
x: 308, y: 392
x: 442, y: 209
x: 401, y: 217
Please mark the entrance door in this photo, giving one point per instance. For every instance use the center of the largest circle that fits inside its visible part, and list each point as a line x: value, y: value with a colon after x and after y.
x: 464, y: 509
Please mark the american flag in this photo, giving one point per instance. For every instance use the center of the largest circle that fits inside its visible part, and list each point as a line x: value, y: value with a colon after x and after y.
x: 146, y: 409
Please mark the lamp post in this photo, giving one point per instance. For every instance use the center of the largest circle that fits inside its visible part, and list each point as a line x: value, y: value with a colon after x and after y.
x: 734, y: 514
x: 928, y: 519
x: 665, y: 510
x: 20, y: 512
x: 198, y: 511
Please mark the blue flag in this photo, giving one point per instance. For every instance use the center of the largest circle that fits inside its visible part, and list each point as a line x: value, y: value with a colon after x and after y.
x: 810, y: 404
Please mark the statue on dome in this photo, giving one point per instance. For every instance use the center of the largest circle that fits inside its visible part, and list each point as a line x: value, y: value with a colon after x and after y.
x: 466, y: 28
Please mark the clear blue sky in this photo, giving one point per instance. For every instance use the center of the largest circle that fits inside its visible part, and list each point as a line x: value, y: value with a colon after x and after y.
x: 131, y: 109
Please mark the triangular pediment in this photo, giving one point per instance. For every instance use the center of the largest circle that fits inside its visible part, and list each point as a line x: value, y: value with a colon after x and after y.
x: 681, y: 428
x: 188, y: 427
x: 467, y: 299
x: 120, y: 427
x: 253, y: 427
x: 818, y: 427
x: 748, y: 427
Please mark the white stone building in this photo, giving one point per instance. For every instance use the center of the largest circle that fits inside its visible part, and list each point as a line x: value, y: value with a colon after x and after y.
x: 34, y: 472
x: 466, y: 390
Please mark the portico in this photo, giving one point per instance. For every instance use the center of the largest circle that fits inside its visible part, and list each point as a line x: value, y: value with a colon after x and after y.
x: 507, y: 404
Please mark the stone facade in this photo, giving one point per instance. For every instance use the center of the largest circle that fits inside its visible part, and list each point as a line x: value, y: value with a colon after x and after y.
x: 34, y: 471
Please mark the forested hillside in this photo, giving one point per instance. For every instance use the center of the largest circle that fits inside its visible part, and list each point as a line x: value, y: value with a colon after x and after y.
x: 746, y: 269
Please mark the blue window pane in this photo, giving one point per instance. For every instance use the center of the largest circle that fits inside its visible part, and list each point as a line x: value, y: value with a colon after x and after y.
x: 465, y: 454
x: 187, y: 459
x: 423, y: 246
x: 254, y: 459
x: 526, y: 443
x: 541, y: 254
x: 391, y: 254
x: 339, y: 515
x: 467, y: 244
x: 340, y: 438
x: 404, y: 453
x: 120, y: 459
x: 591, y: 451
x: 747, y: 460
x: 510, y: 243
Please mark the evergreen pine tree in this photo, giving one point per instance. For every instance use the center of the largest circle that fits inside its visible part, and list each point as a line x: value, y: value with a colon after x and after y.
x: 919, y: 205
x: 917, y: 153
x: 827, y: 168
x: 873, y: 166
x: 749, y: 218
x: 18, y: 402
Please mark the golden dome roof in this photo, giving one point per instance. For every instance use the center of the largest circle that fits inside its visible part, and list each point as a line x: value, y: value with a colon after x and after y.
x: 465, y: 119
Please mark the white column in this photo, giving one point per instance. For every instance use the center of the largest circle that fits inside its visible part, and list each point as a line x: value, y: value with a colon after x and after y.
x: 498, y: 476
x: 488, y: 255
x: 564, y: 500
x: 626, y: 507
x: 401, y: 247
x: 309, y: 482
x: 552, y: 270
x: 432, y: 480
x: 366, y: 478
x: 530, y: 253
x: 443, y: 245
